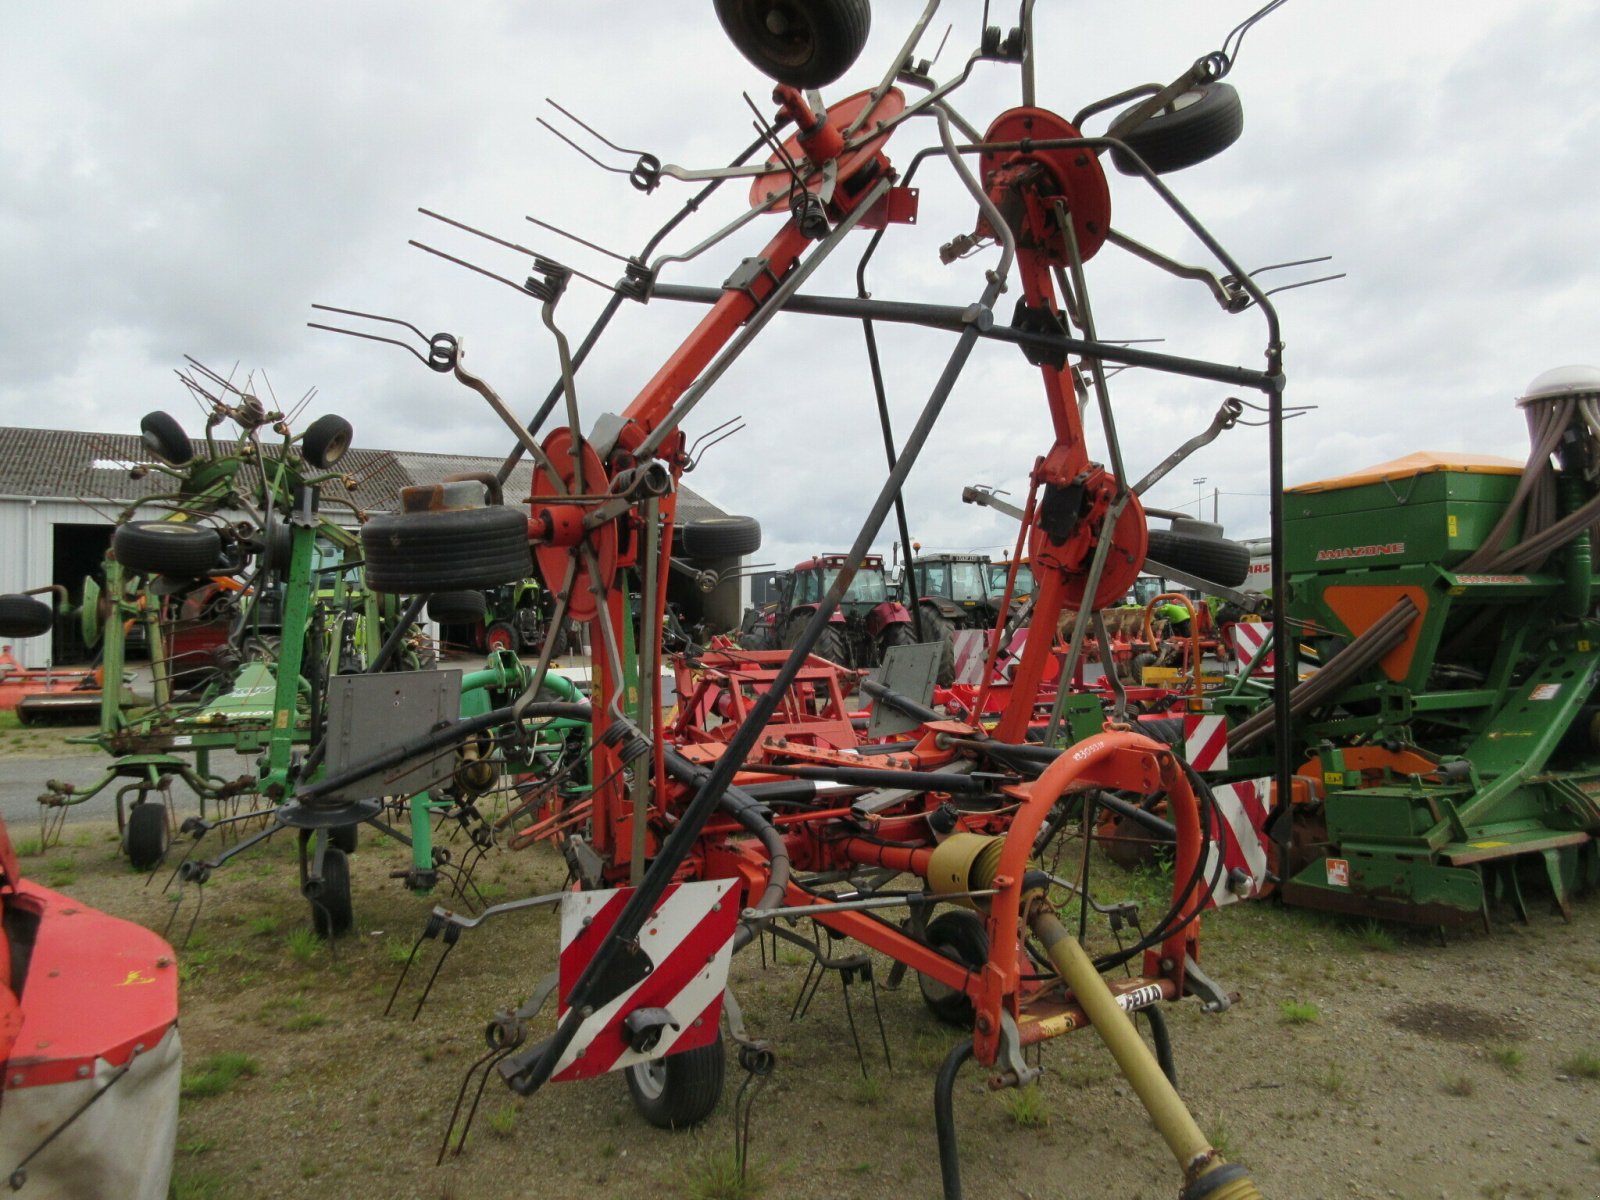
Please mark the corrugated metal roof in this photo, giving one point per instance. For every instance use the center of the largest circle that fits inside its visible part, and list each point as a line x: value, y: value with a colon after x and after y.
x: 71, y: 464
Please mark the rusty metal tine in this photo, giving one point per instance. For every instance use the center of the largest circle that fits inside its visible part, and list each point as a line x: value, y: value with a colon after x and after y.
x: 581, y: 150
x: 351, y: 312
x: 556, y: 229
x: 589, y: 129
x: 371, y: 337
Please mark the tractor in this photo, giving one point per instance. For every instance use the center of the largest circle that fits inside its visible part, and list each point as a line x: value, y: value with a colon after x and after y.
x: 868, y: 621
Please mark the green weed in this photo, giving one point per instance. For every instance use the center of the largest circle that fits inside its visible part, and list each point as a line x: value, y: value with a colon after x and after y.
x: 1221, y: 1140
x: 1027, y: 1107
x: 1507, y: 1058
x: 1331, y: 1081
x: 1460, y: 1085
x: 28, y: 848
x: 263, y: 926
x: 714, y: 1175
x: 1373, y: 936
x: 503, y: 1120
x: 1584, y: 1066
x: 303, y: 943
x: 1296, y: 1012
x: 201, y: 1185
x: 868, y: 1091
x: 217, y: 1073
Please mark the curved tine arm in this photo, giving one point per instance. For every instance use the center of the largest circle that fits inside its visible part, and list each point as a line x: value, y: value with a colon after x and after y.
x: 1227, y: 417
x: 505, y: 414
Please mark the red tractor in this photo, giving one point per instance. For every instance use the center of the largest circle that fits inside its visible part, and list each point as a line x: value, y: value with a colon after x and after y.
x: 867, y: 622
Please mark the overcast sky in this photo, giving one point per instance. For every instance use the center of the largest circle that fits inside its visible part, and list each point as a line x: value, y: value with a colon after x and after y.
x: 189, y: 177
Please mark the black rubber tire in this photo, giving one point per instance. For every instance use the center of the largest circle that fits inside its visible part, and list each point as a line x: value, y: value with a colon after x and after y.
x: 562, y: 636
x: 936, y: 627
x: 457, y: 608
x: 1202, y: 128
x: 1194, y: 528
x: 680, y: 1090
x: 146, y: 836
x: 901, y: 633
x: 345, y: 837
x: 326, y: 441
x: 956, y: 933
x: 332, y: 912
x: 439, y: 551
x: 165, y: 438
x: 820, y: 41
x: 24, y: 617
x: 167, y: 548
x: 1211, y: 558
x: 718, y: 537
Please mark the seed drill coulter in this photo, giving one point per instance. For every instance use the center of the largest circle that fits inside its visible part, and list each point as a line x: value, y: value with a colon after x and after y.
x: 693, y: 850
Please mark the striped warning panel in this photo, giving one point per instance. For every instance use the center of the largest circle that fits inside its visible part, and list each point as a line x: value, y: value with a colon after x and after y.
x: 681, y: 966
x: 971, y: 648
x: 1248, y: 637
x: 1236, y: 859
x: 1205, y: 741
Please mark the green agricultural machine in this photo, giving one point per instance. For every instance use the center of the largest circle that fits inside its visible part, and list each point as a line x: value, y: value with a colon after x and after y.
x: 1445, y: 649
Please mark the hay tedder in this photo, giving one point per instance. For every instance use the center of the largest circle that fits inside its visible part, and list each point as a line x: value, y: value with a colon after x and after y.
x: 694, y: 846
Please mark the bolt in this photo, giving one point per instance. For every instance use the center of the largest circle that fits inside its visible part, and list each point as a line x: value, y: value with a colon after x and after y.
x: 83, y: 1072
x: 16, y: 1080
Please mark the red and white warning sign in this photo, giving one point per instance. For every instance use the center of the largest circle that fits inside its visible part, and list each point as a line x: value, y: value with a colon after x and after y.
x: 1242, y: 851
x: 971, y: 649
x: 1248, y: 637
x: 1338, y: 872
x: 1205, y: 741
x: 682, y: 966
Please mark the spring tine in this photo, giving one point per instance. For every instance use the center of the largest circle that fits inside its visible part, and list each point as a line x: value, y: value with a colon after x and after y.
x: 449, y: 945
x: 581, y: 241
x: 580, y: 149
x: 466, y: 1126
x: 406, y: 970
x: 350, y: 312
x: 466, y: 1082
x: 371, y: 337
x: 199, y: 903
x: 1299, y: 262
x: 489, y: 237
x: 461, y: 262
x: 591, y: 131
x: 1304, y: 283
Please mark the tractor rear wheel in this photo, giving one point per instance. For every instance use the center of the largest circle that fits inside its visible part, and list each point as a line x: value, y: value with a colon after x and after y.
x: 23, y: 616
x: 332, y: 912
x: 166, y: 548
x: 680, y: 1090
x: 804, y: 44
x: 146, y: 836
x: 958, y: 934
x: 901, y: 633
x: 936, y: 627
x: 832, y: 646
x: 500, y: 636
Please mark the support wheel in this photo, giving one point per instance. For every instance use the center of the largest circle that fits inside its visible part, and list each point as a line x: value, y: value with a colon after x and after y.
x: 457, y: 608
x: 804, y: 43
x: 165, y: 438
x: 680, y: 1090
x: 166, y: 548
x: 23, y: 616
x: 1212, y: 558
x: 332, y: 912
x: 326, y: 441
x: 1202, y: 123
x: 456, y: 548
x: 345, y: 837
x: 718, y: 537
x: 146, y: 836
x: 957, y: 933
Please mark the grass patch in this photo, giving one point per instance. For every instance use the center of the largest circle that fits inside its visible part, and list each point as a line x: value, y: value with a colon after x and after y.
x: 303, y: 943
x: 1297, y: 1012
x: 1331, y: 1081
x: 503, y: 1120
x: 714, y: 1175
x: 398, y: 951
x: 195, y: 1147
x: 868, y: 1091
x: 201, y: 1185
x: 1458, y: 1085
x: 302, y: 1021
x: 1371, y: 935
x: 28, y: 848
x: 1508, y: 1058
x: 217, y: 1073
x: 1583, y: 1066
x: 1027, y: 1108
x: 263, y: 926
x: 1221, y: 1141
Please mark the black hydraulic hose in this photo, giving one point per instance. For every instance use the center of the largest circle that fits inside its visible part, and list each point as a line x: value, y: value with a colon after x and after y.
x: 454, y: 731
x: 527, y: 1072
x: 748, y: 811
x: 944, y: 1120
x: 558, y: 389
x: 901, y: 704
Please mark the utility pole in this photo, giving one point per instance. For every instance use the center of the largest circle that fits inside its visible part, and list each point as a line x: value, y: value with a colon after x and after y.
x: 1199, y: 498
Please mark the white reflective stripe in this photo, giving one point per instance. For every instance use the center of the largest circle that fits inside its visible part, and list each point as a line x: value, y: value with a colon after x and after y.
x: 1244, y: 831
